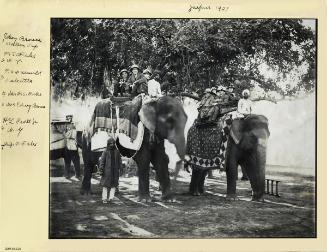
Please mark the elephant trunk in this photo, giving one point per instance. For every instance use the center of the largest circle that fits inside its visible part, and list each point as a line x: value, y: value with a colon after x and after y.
x: 179, y: 141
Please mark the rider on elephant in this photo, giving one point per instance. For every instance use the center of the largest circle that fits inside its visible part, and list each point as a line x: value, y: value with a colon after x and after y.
x: 138, y: 81
x: 122, y: 85
x: 245, y: 104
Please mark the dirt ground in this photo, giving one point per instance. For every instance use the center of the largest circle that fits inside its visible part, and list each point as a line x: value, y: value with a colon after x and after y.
x: 209, y: 216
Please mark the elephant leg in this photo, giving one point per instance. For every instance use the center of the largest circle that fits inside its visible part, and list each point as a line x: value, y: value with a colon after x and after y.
x: 255, y: 168
x: 87, y: 175
x: 143, y: 170
x: 202, y: 178
x: 160, y: 161
x: 231, y: 169
x: 68, y: 159
x: 244, y: 175
x: 193, y: 189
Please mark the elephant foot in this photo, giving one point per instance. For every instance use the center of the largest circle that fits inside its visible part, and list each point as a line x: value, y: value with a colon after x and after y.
x: 171, y: 200
x: 261, y: 199
x: 231, y: 198
x: 168, y: 199
x: 144, y: 199
x: 168, y: 196
x: 85, y: 192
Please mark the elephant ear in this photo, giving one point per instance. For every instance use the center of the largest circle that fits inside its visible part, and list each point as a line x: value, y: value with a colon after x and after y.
x: 147, y: 115
x: 236, y: 130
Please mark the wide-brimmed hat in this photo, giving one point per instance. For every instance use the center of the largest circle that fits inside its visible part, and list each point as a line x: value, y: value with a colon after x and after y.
x: 245, y: 91
x: 221, y: 88
x: 123, y: 70
x: 135, y: 66
x: 69, y: 118
x: 207, y: 90
x: 147, y: 71
x: 213, y: 90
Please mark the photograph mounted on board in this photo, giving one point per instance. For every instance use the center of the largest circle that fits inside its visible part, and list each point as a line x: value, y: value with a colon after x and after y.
x: 182, y: 128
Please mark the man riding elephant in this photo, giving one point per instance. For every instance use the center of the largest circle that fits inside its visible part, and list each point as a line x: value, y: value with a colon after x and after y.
x: 227, y: 147
x: 137, y: 81
x: 163, y: 118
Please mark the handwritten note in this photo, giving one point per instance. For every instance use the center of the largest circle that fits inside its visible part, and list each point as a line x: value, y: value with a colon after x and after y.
x: 20, y: 98
x: 204, y: 8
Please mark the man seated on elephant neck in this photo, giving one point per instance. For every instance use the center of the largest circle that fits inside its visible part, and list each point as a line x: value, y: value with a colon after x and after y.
x: 245, y: 104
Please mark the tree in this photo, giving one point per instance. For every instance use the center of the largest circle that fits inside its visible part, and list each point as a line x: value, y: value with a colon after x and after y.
x: 196, y: 53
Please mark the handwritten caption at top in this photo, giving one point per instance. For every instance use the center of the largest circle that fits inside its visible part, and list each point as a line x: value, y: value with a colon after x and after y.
x: 202, y: 8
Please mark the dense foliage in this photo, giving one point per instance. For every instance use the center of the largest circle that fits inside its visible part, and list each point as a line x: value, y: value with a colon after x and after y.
x: 191, y: 54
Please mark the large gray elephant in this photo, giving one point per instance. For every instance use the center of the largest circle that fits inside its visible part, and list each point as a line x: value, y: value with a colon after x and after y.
x: 163, y: 118
x: 246, y: 147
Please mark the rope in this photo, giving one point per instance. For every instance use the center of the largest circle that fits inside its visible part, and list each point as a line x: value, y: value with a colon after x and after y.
x: 112, y: 124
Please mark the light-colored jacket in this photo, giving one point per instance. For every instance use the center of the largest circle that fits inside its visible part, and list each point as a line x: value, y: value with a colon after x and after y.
x: 154, y: 89
x: 71, y: 135
x: 244, y: 106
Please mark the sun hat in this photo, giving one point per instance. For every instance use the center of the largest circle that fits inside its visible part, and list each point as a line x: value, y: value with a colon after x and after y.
x: 123, y: 70
x: 245, y: 91
x: 135, y: 66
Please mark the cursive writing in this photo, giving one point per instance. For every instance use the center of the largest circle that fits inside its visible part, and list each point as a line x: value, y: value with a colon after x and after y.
x: 199, y: 8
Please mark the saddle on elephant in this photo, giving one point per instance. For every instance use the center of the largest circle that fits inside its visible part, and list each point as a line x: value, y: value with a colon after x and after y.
x: 212, y: 107
x: 118, y: 117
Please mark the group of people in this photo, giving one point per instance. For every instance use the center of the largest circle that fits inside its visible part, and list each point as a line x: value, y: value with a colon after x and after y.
x: 219, y: 100
x: 135, y: 82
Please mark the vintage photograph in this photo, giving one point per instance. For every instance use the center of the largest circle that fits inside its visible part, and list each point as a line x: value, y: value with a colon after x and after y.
x: 182, y: 128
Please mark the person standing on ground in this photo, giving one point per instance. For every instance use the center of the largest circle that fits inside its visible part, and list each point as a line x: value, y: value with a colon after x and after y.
x: 110, y: 164
x: 71, y: 150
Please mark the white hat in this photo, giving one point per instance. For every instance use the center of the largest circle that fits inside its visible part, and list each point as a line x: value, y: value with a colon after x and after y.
x: 245, y: 91
x: 221, y: 88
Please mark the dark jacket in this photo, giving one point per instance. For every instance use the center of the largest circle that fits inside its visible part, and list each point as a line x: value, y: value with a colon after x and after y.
x: 140, y: 84
x: 110, y: 164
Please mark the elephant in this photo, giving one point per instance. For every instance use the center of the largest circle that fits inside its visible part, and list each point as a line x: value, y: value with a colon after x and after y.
x: 246, y: 147
x: 163, y: 118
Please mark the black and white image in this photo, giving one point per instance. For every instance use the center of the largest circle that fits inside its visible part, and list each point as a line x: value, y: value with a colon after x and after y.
x: 182, y: 128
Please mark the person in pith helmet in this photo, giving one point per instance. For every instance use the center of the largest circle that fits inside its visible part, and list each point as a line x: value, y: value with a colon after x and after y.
x: 137, y: 81
x: 71, y: 150
x: 122, y: 85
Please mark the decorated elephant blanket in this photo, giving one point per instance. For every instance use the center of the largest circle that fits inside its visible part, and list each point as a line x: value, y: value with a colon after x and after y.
x: 203, y: 146
x: 112, y: 110
x: 116, y: 115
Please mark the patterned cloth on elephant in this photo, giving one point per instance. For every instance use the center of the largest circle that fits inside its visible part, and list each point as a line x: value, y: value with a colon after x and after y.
x: 203, y: 146
x: 116, y: 116
x: 105, y: 115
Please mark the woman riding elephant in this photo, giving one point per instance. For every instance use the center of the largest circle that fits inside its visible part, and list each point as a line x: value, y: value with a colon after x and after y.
x: 163, y: 118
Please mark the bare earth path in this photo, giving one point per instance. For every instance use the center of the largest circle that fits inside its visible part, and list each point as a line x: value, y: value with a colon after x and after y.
x: 209, y: 216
